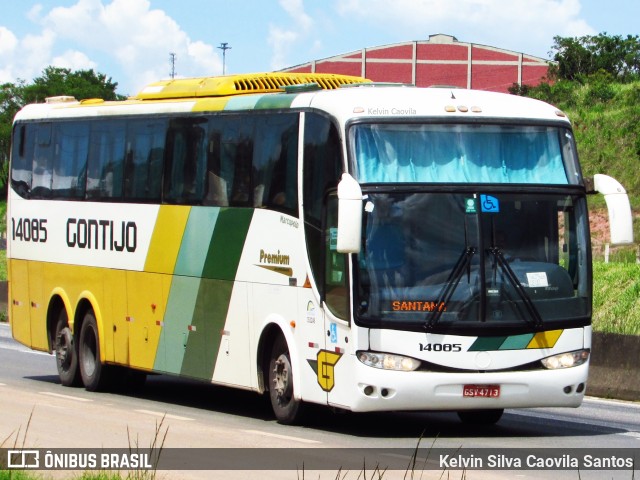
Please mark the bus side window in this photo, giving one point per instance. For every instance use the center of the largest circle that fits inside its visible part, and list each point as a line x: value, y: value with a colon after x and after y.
x: 106, y: 160
x: 42, y: 167
x: 143, y: 165
x: 70, y: 160
x: 186, y: 156
x: 322, y: 168
x: 236, y: 152
x: 216, y: 192
x: 22, y: 160
x: 275, y: 163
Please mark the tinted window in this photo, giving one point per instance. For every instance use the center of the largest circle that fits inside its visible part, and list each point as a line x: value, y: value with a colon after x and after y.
x: 186, y: 157
x: 22, y: 153
x: 70, y: 159
x: 143, y: 165
x: 106, y: 160
x: 322, y: 168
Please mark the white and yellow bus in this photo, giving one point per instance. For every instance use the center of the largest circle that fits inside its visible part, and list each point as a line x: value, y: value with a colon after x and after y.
x: 368, y: 247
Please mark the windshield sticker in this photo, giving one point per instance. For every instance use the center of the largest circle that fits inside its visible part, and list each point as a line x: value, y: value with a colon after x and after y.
x: 489, y: 204
x: 417, y: 306
x: 333, y: 239
x: 333, y: 329
x: 537, y: 279
x: 470, y: 205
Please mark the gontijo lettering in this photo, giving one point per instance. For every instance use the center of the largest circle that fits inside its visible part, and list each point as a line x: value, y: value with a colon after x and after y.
x: 102, y: 234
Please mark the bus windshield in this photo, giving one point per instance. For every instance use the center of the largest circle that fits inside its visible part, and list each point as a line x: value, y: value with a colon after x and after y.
x: 463, y: 153
x: 456, y: 261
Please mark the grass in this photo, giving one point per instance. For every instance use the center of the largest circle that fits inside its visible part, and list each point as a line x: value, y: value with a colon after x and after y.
x: 18, y: 440
x: 616, y: 298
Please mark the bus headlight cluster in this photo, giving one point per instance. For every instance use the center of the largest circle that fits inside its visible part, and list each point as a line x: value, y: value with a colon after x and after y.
x: 388, y: 361
x: 566, y: 360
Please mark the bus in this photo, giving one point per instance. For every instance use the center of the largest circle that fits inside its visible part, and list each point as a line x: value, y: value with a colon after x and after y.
x: 317, y: 238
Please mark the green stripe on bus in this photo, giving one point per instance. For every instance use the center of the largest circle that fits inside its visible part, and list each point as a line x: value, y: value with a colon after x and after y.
x: 483, y: 344
x: 227, y: 243
x: 178, y: 316
x: 275, y: 101
x: 242, y: 102
x: 199, y: 229
x: 517, y: 342
x: 209, y: 316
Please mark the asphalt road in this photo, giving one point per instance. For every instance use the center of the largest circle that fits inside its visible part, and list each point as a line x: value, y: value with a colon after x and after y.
x: 36, y: 411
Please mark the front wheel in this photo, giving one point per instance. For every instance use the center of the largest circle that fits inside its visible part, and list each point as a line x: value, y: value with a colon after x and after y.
x: 287, y: 409
x: 481, y: 417
x: 66, y: 352
x: 94, y: 374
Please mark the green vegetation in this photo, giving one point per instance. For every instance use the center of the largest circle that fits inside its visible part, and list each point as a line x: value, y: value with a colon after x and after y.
x: 616, y: 298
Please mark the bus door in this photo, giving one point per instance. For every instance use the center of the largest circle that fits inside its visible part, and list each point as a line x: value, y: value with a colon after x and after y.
x: 335, y: 309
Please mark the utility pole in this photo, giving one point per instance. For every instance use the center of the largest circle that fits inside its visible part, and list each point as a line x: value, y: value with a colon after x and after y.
x: 172, y: 59
x: 224, y: 47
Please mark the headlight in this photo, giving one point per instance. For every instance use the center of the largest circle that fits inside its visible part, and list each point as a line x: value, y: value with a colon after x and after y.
x: 388, y: 361
x: 566, y: 360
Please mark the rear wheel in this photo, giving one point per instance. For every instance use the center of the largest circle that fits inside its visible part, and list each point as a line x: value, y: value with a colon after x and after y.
x: 66, y: 352
x: 481, y: 417
x: 287, y: 409
x: 94, y: 374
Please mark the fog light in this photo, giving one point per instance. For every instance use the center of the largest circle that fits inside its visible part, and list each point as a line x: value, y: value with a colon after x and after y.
x: 566, y: 360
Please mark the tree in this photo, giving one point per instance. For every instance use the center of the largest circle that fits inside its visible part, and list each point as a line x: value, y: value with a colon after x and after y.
x: 81, y: 84
x: 580, y: 57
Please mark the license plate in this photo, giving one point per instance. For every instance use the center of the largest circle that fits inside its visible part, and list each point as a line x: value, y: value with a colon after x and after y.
x: 488, y: 391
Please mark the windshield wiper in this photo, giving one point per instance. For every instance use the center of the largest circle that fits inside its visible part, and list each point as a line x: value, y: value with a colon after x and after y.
x: 463, y: 263
x: 534, y: 317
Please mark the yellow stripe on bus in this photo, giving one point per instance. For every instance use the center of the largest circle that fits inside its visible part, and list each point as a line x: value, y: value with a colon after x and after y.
x: 545, y: 339
x: 166, y: 238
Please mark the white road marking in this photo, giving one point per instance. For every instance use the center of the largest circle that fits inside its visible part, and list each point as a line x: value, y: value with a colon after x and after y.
x: 23, y: 349
x: 165, y: 415
x: 66, y: 397
x: 283, y: 437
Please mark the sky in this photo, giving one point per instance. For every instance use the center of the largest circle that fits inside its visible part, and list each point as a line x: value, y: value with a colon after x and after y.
x: 131, y: 41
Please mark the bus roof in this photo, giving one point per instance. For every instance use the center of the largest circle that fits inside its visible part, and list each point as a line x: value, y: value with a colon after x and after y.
x: 242, y: 84
x: 341, y: 96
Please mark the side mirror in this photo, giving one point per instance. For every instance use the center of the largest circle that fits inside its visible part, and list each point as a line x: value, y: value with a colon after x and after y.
x: 349, y: 215
x: 620, y: 217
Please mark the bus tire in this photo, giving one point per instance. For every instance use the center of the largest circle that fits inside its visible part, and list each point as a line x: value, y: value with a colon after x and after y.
x: 64, y: 346
x: 94, y: 374
x: 481, y: 417
x: 286, y: 408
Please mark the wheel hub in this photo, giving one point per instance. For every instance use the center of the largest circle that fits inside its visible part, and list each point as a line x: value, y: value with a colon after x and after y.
x: 64, y: 347
x: 281, y: 378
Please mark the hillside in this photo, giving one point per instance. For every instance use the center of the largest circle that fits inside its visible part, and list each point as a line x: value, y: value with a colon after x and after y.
x: 606, y: 121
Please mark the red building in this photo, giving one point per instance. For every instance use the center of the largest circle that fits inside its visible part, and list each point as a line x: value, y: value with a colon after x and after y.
x: 440, y: 60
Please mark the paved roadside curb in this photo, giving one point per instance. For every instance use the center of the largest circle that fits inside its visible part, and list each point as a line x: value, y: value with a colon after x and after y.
x: 615, y: 362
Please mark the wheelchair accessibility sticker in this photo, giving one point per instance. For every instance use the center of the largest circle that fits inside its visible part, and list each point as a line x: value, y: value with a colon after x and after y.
x: 489, y: 204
